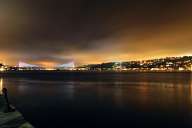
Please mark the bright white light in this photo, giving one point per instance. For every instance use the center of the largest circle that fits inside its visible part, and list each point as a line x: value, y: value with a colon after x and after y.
x: 26, y: 65
x: 2, y: 69
x: 181, y: 69
x: 69, y: 65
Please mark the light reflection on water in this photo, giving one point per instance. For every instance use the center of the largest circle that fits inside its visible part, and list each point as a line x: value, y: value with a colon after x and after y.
x: 140, y: 99
x: 1, y: 85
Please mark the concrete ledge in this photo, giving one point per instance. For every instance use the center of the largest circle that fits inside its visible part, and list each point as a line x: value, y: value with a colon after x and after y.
x: 11, y: 119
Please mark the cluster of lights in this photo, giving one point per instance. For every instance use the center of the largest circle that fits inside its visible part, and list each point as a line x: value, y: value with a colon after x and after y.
x: 2, y: 69
x: 163, y: 64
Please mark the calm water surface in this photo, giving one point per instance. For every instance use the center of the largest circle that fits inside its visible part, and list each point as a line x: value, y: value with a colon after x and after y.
x: 101, y: 100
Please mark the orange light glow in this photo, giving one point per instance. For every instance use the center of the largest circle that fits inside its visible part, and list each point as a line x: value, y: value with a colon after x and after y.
x: 47, y: 65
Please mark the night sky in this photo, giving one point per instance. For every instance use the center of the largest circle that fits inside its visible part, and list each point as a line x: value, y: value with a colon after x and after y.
x: 93, y: 31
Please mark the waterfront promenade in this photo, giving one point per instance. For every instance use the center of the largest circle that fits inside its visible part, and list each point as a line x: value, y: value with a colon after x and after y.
x: 12, y: 119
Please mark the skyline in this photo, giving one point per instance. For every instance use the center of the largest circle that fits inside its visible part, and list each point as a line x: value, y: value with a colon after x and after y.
x: 50, y: 32
x: 76, y: 65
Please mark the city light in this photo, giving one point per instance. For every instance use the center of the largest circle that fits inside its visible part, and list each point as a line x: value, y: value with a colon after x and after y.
x: 169, y: 64
x: 50, y: 69
x: 2, y: 69
x: 162, y: 64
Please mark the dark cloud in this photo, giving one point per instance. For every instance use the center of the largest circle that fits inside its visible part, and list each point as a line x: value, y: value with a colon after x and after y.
x: 55, y: 30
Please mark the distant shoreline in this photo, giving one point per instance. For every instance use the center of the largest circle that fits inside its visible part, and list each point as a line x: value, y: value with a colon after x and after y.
x: 85, y: 71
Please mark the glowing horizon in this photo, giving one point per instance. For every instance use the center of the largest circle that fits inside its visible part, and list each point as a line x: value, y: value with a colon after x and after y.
x: 48, y: 34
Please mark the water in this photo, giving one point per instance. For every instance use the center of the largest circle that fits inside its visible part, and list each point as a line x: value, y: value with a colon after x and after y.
x: 102, y: 100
